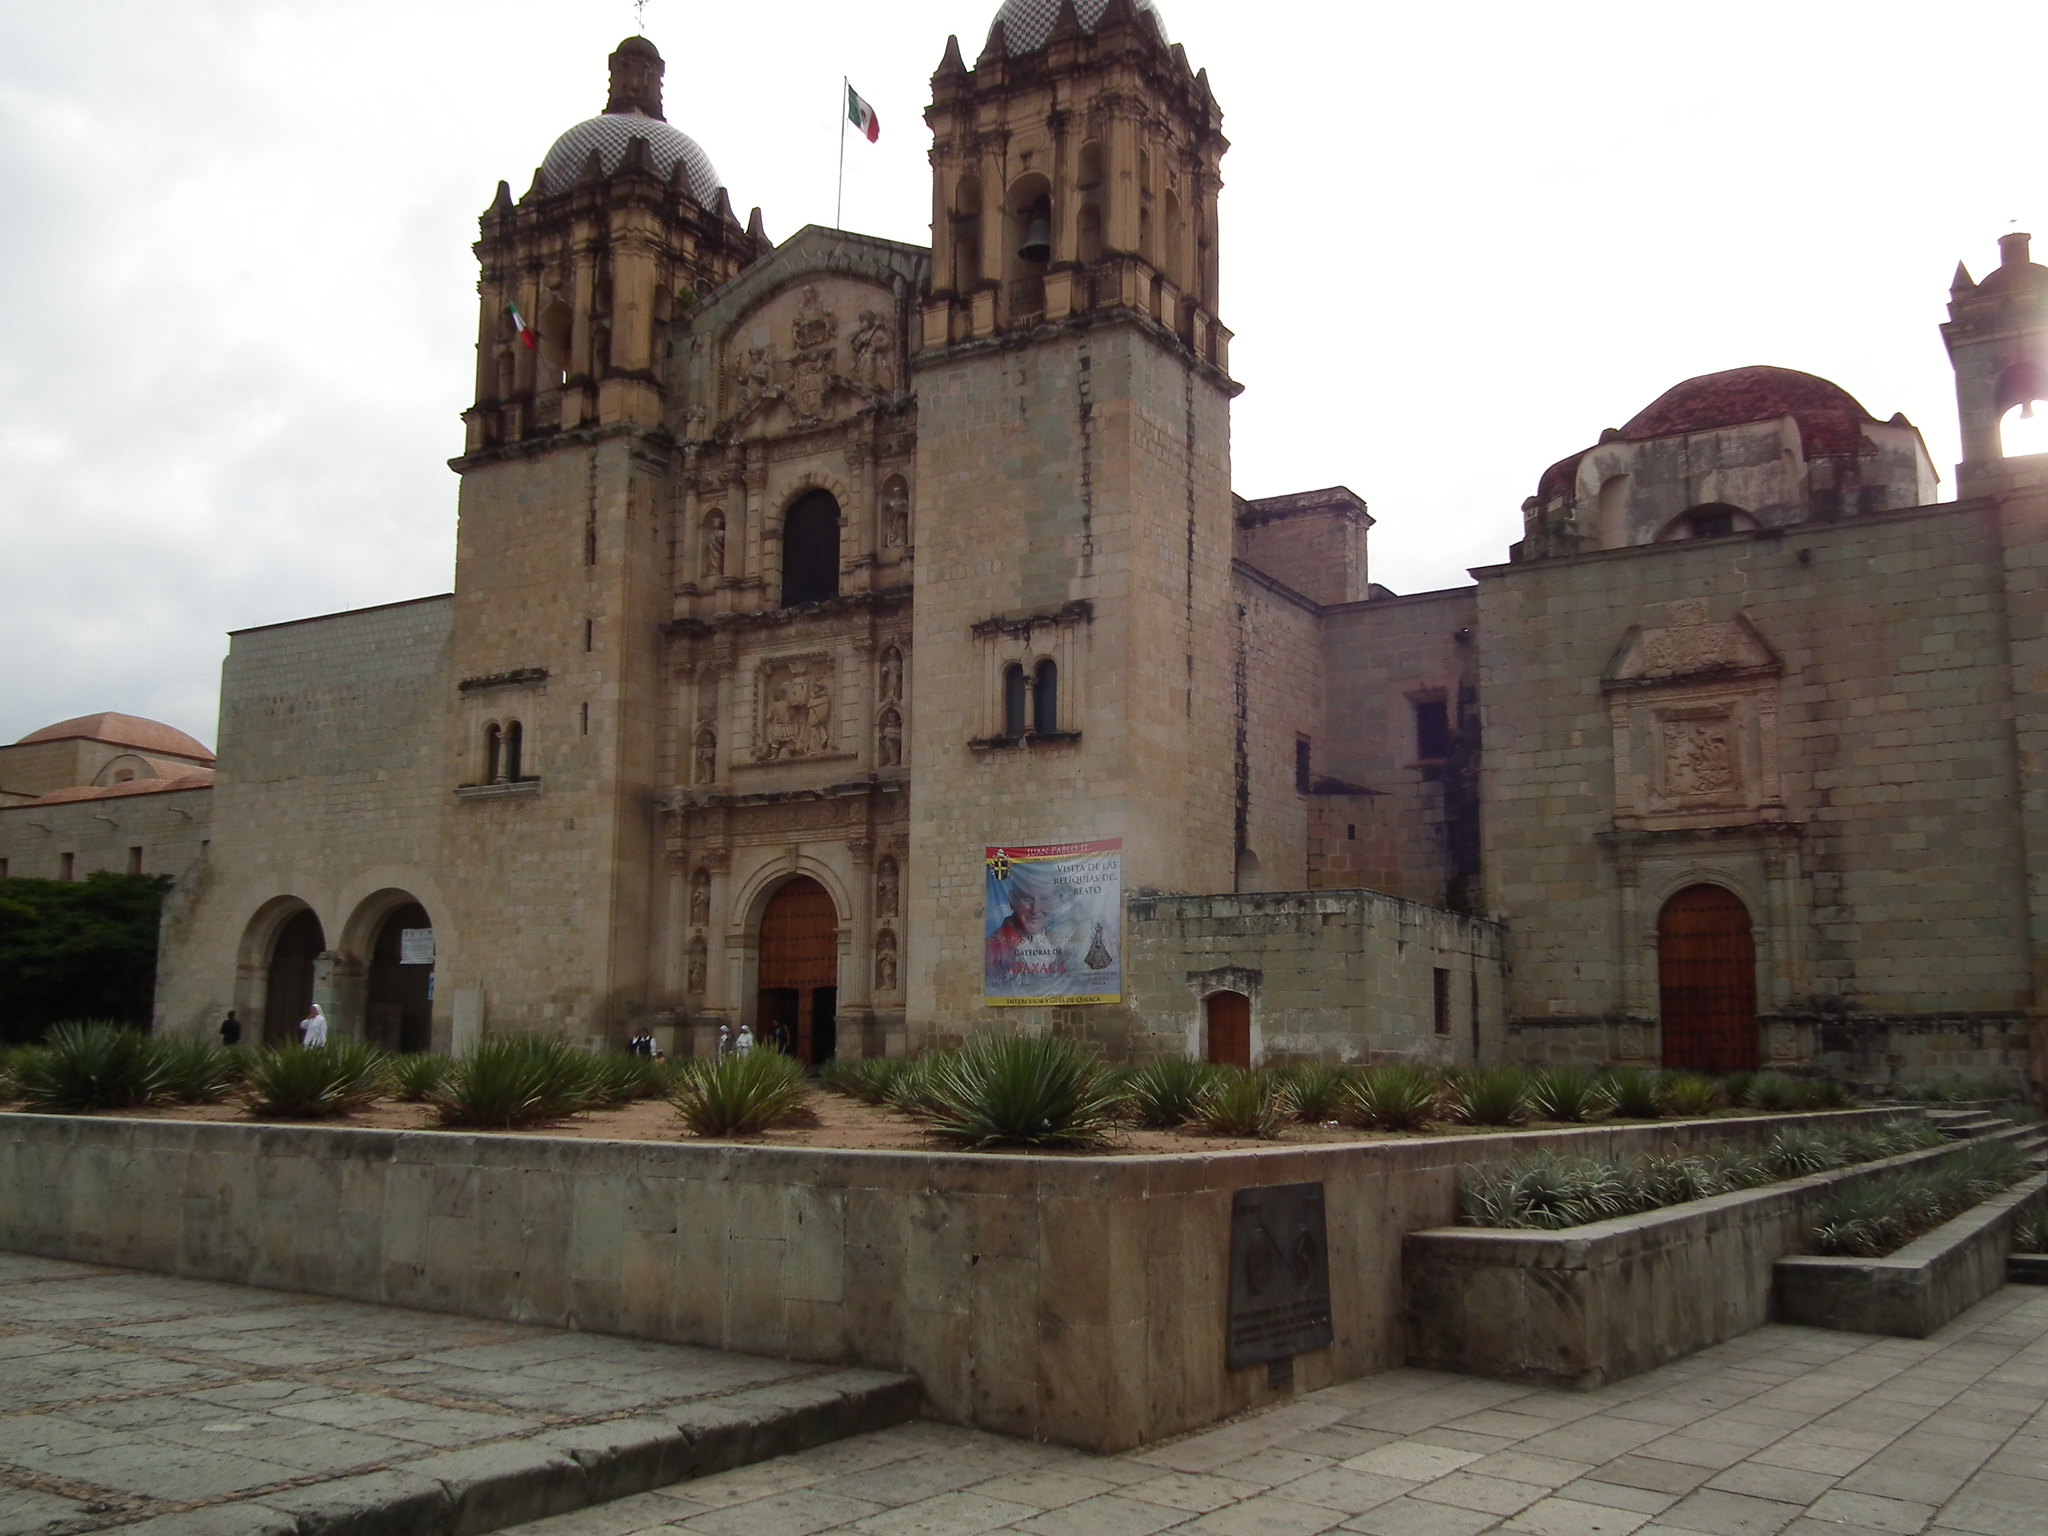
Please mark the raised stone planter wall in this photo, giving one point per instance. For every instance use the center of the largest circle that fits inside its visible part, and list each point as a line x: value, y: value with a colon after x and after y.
x: 1596, y: 1303
x: 1081, y: 1300
x: 1914, y: 1291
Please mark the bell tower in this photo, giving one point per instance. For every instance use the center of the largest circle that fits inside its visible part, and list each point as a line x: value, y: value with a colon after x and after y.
x: 1074, y: 612
x: 1997, y: 336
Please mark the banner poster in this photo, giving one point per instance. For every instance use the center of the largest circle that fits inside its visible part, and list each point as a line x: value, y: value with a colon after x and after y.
x: 1052, y: 925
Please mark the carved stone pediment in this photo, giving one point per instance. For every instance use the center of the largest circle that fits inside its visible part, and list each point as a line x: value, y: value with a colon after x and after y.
x: 1668, y: 652
x: 813, y: 354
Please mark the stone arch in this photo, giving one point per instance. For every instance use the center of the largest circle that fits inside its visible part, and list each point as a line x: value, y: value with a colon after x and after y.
x: 386, y: 994
x: 812, y: 524
x: 798, y: 928
x: 276, y: 965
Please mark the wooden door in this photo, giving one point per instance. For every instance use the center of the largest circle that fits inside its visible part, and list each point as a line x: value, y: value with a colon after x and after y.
x: 1230, y: 1028
x: 1706, y: 981
x: 799, y: 960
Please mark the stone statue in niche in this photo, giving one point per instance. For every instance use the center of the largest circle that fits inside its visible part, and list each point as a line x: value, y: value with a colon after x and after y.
x: 1699, y: 759
x: 694, y: 981
x: 700, y: 898
x: 714, y: 546
x: 705, y: 756
x: 895, y: 515
x: 885, y: 888
x: 796, y: 713
x: 874, y: 353
x: 885, y: 961
x: 889, y: 740
x: 892, y: 675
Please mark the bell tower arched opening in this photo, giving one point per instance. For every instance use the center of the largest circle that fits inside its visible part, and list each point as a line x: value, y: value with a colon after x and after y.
x: 1706, y: 981
x: 799, y: 972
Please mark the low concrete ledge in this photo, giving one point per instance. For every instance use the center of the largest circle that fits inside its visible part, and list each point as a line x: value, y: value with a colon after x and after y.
x: 1912, y: 1292
x: 1584, y: 1306
x: 1082, y: 1300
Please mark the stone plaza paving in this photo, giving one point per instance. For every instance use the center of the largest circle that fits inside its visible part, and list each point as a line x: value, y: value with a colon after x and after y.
x: 167, y: 1407
x: 1785, y: 1430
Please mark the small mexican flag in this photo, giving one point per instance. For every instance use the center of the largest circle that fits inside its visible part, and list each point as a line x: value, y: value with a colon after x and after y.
x: 862, y: 116
x: 529, y: 338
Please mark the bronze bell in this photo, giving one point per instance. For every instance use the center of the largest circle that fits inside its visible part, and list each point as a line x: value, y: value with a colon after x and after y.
x: 1037, y: 244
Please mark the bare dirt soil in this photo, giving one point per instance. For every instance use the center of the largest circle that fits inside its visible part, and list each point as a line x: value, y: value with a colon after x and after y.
x: 837, y: 1122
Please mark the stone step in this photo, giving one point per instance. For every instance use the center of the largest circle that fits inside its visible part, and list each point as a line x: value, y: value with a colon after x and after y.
x: 2027, y: 1268
x: 1959, y: 1127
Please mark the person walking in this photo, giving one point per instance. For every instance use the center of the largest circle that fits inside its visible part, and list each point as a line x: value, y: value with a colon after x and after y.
x: 724, y: 1040
x: 642, y: 1043
x: 745, y: 1045
x: 231, y: 1030
x: 313, y: 1028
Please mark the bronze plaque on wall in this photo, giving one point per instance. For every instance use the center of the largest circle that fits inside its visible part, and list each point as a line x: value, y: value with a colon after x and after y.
x: 1279, y: 1275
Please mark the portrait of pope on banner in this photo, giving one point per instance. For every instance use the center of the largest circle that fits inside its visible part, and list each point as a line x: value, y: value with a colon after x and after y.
x: 1053, y: 924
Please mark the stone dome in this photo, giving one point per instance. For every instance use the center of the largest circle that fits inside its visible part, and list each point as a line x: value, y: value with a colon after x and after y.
x: 1831, y: 420
x: 1027, y: 24
x: 610, y: 133
x: 123, y: 731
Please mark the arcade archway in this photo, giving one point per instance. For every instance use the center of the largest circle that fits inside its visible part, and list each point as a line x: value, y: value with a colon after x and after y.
x: 398, y: 1010
x: 288, y: 976
x: 799, y: 973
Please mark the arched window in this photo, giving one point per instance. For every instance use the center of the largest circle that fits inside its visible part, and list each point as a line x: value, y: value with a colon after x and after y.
x: 515, y: 736
x: 1013, y: 701
x: 810, y: 549
x: 493, y: 752
x: 1045, y: 698
x: 1709, y: 520
x: 967, y: 234
x: 1089, y: 233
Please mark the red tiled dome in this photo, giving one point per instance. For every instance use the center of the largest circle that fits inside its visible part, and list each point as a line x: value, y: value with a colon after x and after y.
x: 123, y: 731
x: 1830, y: 419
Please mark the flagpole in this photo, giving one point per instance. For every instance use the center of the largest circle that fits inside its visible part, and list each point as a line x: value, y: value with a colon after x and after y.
x: 839, y: 202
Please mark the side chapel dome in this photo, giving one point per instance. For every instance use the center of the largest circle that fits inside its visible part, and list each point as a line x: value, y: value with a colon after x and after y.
x: 632, y: 112
x: 1027, y: 24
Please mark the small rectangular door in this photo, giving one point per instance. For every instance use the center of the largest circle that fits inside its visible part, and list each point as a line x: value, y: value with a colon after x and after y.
x: 1229, y: 1017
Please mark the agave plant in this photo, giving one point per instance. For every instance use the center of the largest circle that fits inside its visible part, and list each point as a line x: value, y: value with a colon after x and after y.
x: 1799, y: 1151
x: 418, y: 1076
x: 1689, y: 1095
x: 1879, y: 1215
x: 296, y: 1082
x: 1675, y: 1179
x: 1319, y: 1091
x: 867, y: 1080
x: 1396, y: 1096
x: 1888, y: 1138
x: 91, y: 1065
x: 2030, y: 1231
x: 1637, y: 1094
x: 1166, y: 1093
x: 1822, y: 1093
x: 197, y: 1071
x: 1491, y: 1096
x: 1245, y: 1103
x: 1568, y: 1094
x: 744, y: 1094
x: 514, y: 1080
x: 1021, y: 1090
x: 1546, y: 1192
x: 909, y: 1090
x: 1771, y: 1091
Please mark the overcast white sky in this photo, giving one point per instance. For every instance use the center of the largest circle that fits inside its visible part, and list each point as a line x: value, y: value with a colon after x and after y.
x: 1458, y: 241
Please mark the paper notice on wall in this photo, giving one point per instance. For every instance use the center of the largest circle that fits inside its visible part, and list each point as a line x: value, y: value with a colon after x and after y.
x: 1052, y: 924
x: 415, y: 946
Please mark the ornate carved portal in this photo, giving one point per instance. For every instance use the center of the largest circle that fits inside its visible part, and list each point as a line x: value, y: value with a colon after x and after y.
x: 795, y: 716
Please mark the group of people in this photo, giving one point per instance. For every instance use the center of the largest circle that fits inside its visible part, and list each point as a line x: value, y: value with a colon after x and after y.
x: 312, y: 1029
x: 729, y: 1045
x: 313, y: 1032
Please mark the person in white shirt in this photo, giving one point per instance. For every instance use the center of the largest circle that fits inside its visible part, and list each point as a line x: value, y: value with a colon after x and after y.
x: 313, y: 1028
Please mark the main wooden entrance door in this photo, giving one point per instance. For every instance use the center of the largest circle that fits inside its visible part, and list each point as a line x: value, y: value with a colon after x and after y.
x: 799, y: 986
x: 1706, y: 981
x: 1229, y: 1017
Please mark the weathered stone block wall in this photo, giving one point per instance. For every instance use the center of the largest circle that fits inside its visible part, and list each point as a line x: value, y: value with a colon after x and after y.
x: 1885, y: 878
x: 1332, y: 975
x: 1278, y: 660
x: 170, y: 827
x: 328, y: 796
x: 1379, y: 658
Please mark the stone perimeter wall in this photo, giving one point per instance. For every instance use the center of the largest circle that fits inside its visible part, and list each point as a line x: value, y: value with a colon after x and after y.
x: 1079, y: 1300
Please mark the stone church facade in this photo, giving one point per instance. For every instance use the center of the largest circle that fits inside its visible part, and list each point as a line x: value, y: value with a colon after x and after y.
x: 790, y: 578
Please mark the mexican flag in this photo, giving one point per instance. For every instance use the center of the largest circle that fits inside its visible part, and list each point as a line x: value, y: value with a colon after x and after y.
x: 862, y: 116
x: 528, y: 336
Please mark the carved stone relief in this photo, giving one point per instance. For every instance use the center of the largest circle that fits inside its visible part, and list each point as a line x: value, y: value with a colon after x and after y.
x: 889, y: 740
x: 885, y: 887
x: 895, y: 513
x: 698, y: 968
x: 892, y: 674
x: 1699, y: 754
x: 810, y: 366
x: 885, y: 961
x: 713, y: 559
x: 700, y: 898
x: 795, y: 709
x: 704, y: 757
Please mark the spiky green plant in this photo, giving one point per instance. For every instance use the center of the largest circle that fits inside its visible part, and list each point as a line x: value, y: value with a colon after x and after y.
x: 1396, y: 1096
x: 867, y: 1080
x: 744, y: 1095
x: 1491, y: 1096
x: 296, y: 1082
x: 1166, y: 1093
x: 1797, y: 1151
x: 1636, y: 1093
x: 1735, y: 1087
x: 2030, y: 1231
x: 418, y: 1076
x: 1568, y: 1094
x: 1772, y: 1092
x: 1822, y: 1093
x: 1675, y: 1179
x: 198, y: 1071
x: 1021, y: 1090
x: 89, y: 1065
x: 909, y: 1091
x: 514, y: 1080
x: 1888, y: 1138
x: 1877, y: 1216
x: 1319, y: 1091
x: 1241, y: 1103
x: 1954, y: 1090
x: 1689, y: 1095
x: 1546, y: 1192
